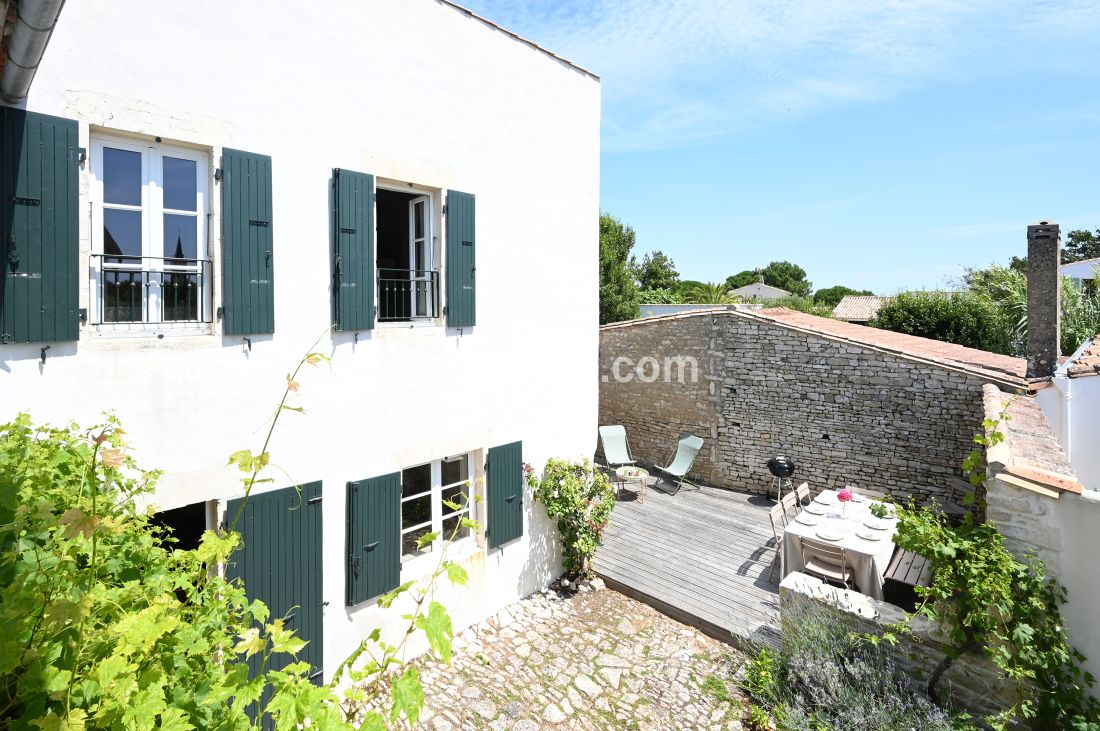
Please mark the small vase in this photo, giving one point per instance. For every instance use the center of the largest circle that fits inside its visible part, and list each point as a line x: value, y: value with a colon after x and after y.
x: 844, y: 510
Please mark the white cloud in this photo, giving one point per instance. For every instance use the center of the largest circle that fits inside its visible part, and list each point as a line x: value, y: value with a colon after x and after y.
x: 677, y: 71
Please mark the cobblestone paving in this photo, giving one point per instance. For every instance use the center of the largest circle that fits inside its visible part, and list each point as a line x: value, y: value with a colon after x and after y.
x: 596, y: 660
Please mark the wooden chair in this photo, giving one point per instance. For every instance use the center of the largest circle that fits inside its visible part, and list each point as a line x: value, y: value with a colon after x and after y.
x: 779, y: 517
x: 803, y: 493
x: 827, y: 562
x: 873, y: 494
x: 790, y: 504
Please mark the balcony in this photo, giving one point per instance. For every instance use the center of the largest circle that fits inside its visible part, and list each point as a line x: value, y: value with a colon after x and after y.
x: 405, y: 295
x: 150, y: 290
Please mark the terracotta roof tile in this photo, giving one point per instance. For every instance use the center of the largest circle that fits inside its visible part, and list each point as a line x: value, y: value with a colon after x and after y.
x: 859, y: 307
x: 1088, y: 363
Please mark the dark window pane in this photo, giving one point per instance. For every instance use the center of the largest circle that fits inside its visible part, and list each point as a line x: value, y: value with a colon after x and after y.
x: 455, y: 471
x: 416, y: 511
x: 123, y: 296
x: 179, y: 293
x: 180, y: 238
x: 416, y: 480
x: 180, y: 184
x: 121, y: 235
x: 459, y: 495
x: 408, y: 542
x: 121, y: 176
x: 451, y: 525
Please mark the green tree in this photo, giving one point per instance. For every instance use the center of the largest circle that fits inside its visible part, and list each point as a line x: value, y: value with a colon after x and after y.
x: 656, y: 271
x: 618, y: 291
x: 660, y: 297
x: 684, y: 287
x: 788, y: 276
x: 711, y: 293
x: 1081, y: 245
x: 802, y: 304
x: 782, y: 274
x: 742, y: 279
x: 964, y: 318
x: 831, y: 296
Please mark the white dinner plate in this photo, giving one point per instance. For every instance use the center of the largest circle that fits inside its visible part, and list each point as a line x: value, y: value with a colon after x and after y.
x: 814, y: 509
x: 878, y: 523
x: 830, y: 535
x: 805, y: 519
x: 825, y: 498
x: 869, y: 535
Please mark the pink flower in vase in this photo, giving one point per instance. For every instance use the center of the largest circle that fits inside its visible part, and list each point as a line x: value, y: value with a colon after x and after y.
x: 845, y: 495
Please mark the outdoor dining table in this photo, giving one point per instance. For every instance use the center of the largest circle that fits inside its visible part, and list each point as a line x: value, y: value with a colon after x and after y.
x: 867, y: 540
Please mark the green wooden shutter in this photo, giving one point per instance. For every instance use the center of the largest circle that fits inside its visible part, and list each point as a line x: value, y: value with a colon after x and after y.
x: 505, y: 494
x: 39, y: 249
x: 374, y: 537
x: 353, y: 250
x: 248, y: 293
x: 280, y: 564
x: 461, y: 300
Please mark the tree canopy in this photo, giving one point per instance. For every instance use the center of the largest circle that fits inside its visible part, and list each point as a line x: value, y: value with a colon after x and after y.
x: 964, y: 318
x: 1081, y: 245
x: 782, y: 274
x: 831, y: 296
x: 656, y: 271
x: 618, y: 291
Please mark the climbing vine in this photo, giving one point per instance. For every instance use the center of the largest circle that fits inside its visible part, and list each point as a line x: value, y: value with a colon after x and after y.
x: 580, y: 498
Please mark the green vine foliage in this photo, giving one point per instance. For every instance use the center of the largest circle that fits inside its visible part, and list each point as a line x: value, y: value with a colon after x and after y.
x: 986, y: 600
x: 580, y: 498
x: 106, y: 626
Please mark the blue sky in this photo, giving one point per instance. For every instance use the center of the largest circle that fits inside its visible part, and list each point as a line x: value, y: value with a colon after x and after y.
x: 881, y: 145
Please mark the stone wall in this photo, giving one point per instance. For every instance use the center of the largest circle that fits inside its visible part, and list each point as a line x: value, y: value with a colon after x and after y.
x: 973, y: 681
x: 656, y: 413
x: 847, y: 413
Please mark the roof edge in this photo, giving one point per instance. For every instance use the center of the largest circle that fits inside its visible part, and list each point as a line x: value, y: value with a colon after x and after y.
x: 516, y: 36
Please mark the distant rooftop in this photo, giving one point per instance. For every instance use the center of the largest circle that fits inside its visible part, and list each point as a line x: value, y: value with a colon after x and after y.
x: 760, y: 291
x: 859, y: 308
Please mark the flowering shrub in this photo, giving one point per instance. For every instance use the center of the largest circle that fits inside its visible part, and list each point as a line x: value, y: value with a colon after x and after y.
x: 580, y: 499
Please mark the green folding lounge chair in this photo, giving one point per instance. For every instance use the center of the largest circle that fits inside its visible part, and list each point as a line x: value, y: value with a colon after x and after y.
x: 616, y: 450
x: 686, y: 451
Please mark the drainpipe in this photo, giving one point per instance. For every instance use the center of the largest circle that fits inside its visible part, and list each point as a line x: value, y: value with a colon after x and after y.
x: 1064, y: 386
x: 34, y: 24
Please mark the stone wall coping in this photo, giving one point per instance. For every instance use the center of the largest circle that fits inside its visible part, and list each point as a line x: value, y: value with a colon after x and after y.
x: 1007, y: 461
x: 806, y: 325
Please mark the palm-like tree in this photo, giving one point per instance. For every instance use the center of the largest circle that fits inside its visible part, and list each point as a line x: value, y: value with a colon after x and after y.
x: 711, y: 293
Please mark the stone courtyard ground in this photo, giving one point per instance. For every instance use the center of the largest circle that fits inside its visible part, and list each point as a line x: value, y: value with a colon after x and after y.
x: 594, y: 660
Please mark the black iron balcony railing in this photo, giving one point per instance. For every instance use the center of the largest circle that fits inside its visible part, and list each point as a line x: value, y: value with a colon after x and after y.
x: 407, y: 294
x: 150, y: 289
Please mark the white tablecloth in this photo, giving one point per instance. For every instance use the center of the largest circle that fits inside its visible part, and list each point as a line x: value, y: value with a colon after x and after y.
x: 867, y: 560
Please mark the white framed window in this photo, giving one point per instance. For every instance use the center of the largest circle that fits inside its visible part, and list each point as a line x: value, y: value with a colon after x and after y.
x: 150, y: 255
x: 408, y: 272
x: 425, y: 490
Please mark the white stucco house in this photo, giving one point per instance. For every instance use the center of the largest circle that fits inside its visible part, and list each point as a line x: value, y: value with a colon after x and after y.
x: 197, y: 193
x: 1084, y: 271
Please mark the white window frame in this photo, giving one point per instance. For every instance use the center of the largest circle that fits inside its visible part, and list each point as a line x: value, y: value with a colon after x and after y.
x: 417, y: 564
x: 152, y: 229
x: 434, y: 255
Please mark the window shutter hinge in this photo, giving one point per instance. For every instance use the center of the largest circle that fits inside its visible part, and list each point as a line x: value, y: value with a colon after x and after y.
x: 220, y: 313
x: 83, y: 313
x: 313, y: 500
x: 217, y: 175
x: 444, y: 209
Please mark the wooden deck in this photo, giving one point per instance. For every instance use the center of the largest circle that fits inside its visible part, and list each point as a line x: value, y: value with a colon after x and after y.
x: 700, y: 556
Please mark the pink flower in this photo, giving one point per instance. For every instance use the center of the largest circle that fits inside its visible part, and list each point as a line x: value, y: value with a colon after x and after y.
x: 844, y: 495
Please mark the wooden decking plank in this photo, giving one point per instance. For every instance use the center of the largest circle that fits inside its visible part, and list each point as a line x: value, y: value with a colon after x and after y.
x: 709, y: 545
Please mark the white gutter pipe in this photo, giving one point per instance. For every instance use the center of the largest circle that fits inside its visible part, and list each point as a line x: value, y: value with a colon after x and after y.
x: 34, y: 24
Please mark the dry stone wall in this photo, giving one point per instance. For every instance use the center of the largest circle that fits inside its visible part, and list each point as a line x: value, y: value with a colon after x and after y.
x: 846, y: 413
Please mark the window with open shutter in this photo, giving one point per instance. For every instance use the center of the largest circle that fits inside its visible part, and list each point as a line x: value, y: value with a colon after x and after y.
x: 280, y: 564
x: 39, y: 289
x: 373, y: 537
x: 248, y: 295
x: 505, y: 494
x: 352, y: 250
x: 461, y: 300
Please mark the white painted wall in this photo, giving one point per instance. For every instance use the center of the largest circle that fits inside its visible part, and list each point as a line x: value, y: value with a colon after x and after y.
x: 413, y: 90
x: 1085, y: 269
x: 1072, y: 407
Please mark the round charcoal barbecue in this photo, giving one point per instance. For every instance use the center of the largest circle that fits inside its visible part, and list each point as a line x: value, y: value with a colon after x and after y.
x: 781, y: 467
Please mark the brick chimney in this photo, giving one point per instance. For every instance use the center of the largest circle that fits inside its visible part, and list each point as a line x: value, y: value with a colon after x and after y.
x: 1044, y: 307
